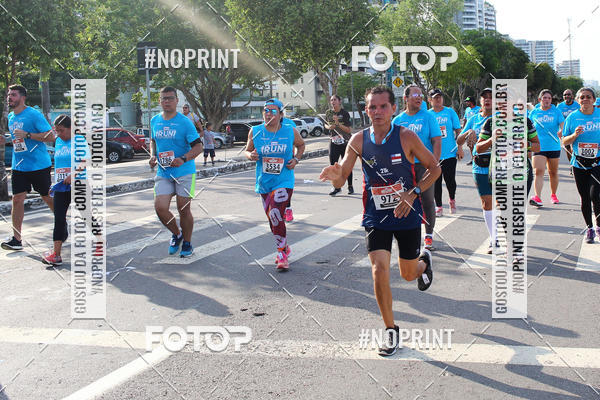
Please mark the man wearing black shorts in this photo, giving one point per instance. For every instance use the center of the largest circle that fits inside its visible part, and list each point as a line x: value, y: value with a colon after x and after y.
x: 339, y: 126
x: 31, y: 162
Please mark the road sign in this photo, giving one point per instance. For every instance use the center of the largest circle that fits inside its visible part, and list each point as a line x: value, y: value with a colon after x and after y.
x: 398, y: 81
x: 142, y: 47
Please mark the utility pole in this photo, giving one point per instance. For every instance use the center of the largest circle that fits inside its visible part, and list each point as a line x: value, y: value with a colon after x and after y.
x: 570, y: 57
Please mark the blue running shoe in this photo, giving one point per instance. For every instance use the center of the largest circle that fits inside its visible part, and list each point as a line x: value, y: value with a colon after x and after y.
x: 186, y: 249
x: 175, y: 242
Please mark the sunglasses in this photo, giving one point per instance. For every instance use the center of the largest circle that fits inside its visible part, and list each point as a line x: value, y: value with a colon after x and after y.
x: 416, y: 95
x: 273, y: 111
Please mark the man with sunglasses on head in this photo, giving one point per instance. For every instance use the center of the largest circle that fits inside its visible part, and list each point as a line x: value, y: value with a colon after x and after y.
x: 339, y: 125
x: 271, y: 144
x: 174, y: 144
x: 567, y: 107
x: 193, y: 117
x: 425, y: 125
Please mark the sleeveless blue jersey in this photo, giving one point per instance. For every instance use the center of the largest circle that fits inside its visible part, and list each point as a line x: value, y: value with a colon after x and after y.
x: 386, y: 172
x: 274, y: 150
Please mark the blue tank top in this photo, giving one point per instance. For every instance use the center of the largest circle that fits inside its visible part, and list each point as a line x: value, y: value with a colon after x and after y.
x: 387, y: 171
x: 274, y: 150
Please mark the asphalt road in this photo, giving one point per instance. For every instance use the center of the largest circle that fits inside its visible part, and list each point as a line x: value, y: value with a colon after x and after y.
x: 305, y: 323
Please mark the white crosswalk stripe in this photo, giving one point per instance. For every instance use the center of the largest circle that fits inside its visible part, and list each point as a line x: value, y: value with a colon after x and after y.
x: 217, y: 246
x: 589, y: 257
x: 480, y: 259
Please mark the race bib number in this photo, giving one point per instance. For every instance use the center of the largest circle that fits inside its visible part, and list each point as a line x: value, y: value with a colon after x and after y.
x: 165, y: 158
x: 272, y: 165
x: 338, y: 140
x: 588, y: 150
x: 443, y: 129
x: 61, y: 173
x: 19, y: 145
x: 386, y: 197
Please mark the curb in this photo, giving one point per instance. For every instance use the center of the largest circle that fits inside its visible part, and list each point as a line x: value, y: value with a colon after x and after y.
x: 36, y: 202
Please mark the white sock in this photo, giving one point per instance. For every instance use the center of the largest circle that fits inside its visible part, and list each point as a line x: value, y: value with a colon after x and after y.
x: 488, y: 216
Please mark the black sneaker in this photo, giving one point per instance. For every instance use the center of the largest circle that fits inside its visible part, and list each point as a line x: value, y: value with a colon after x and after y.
x: 424, y: 281
x: 390, y: 344
x: 350, y: 190
x: 334, y: 192
x: 12, y: 244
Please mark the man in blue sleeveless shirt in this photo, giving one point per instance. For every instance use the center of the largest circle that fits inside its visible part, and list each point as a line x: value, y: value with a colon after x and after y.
x: 391, y: 199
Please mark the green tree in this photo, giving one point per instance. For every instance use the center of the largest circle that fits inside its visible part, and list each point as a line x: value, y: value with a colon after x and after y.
x: 539, y: 78
x: 559, y: 85
x: 311, y: 34
x: 356, y: 83
x: 461, y: 75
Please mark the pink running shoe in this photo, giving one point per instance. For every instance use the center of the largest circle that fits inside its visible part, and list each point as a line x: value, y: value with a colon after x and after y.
x: 287, y: 253
x: 289, y: 215
x: 50, y: 258
x: 452, y: 206
x: 439, y: 211
x: 554, y: 199
x: 535, y: 201
x: 282, y: 261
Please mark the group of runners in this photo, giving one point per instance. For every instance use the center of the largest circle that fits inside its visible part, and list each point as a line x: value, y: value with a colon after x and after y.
x: 404, y: 161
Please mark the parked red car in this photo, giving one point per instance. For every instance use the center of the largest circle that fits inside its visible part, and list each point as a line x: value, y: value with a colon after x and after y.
x: 138, y: 142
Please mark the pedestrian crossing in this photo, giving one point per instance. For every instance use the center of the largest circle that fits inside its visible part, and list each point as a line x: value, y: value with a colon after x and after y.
x: 40, y: 237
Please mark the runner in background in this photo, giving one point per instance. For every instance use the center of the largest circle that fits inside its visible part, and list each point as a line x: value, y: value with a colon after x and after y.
x: 340, y: 127
x: 582, y: 131
x: 471, y: 110
x: 566, y: 108
x: 271, y: 145
x: 174, y: 146
x: 208, y: 139
x: 548, y: 121
x: 449, y: 124
x: 392, y: 207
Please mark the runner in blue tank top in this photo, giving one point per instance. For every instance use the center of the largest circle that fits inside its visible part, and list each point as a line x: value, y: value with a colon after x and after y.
x: 392, y: 207
x: 271, y: 145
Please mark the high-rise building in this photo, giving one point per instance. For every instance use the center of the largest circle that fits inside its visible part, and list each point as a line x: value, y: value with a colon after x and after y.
x: 476, y: 14
x: 569, y: 68
x: 538, y: 51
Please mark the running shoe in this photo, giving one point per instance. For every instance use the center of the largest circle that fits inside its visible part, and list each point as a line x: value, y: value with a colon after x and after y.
x: 289, y: 215
x: 334, y: 192
x: 287, y: 253
x: 186, y: 249
x: 350, y: 190
x: 589, y: 236
x: 50, y: 258
x: 452, y: 206
x: 282, y: 261
x: 174, y: 243
x: 12, y: 244
x: 554, y: 199
x: 424, y: 281
x: 428, y: 242
x: 390, y: 344
x: 535, y: 201
x: 439, y: 211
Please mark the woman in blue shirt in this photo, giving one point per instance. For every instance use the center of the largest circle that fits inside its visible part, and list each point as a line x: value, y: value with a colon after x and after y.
x: 582, y: 131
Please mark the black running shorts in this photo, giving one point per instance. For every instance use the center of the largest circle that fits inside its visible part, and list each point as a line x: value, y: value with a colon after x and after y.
x: 22, y: 181
x: 409, y: 241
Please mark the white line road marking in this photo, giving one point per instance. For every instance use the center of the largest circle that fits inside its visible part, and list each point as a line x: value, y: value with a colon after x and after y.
x: 318, y: 241
x: 480, y: 259
x: 589, y: 257
x: 164, y: 236
x: 225, y: 243
x: 577, y: 357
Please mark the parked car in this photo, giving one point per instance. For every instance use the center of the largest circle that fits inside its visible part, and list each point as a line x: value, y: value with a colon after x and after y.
x: 315, y: 125
x: 239, y: 130
x: 116, y: 151
x: 138, y: 142
x: 302, y: 127
x: 222, y: 139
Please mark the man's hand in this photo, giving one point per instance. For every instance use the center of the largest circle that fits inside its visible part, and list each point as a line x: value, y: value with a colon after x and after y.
x: 460, y: 153
x: 19, y: 133
x: 67, y: 180
x: 405, y: 205
x: 177, y: 162
x: 291, y: 164
x: 331, y: 173
x: 152, y: 162
x: 471, y: 138
x: 254, y: 155
x: 579, y: 130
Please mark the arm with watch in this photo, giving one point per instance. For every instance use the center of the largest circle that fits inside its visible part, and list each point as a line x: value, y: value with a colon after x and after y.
x: 190, y: 155
x: 47, y: 136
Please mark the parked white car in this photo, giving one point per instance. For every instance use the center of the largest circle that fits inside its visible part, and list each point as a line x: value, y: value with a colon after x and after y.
x: 302, y: 127
x: 315, y: 125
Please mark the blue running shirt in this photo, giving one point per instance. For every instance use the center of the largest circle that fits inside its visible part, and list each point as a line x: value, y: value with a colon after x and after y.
x: 274, y: 150
x: 29, y: 154
x: 173, y: 138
